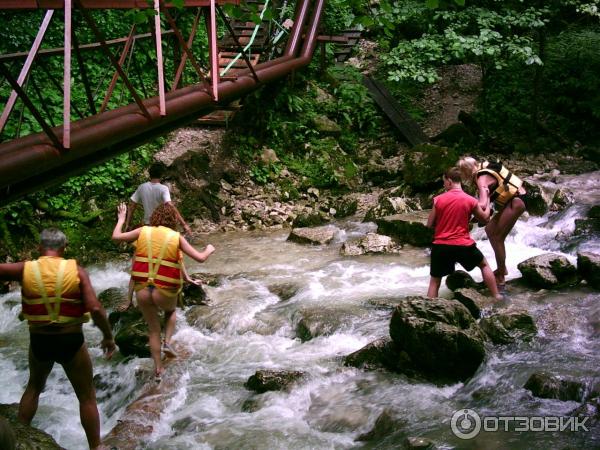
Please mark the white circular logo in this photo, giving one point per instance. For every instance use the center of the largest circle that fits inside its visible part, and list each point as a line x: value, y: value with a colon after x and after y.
x: 465, y: 424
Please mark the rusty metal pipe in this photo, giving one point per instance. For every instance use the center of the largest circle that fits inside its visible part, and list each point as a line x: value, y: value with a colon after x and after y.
x: 32, y: 162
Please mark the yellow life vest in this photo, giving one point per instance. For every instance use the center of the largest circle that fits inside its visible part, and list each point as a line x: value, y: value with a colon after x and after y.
x: 50, y: 293
x: 157, y: 260
x: 508, y: 183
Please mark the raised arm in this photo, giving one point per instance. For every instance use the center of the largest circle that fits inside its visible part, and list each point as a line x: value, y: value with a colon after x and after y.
x: 192, y: 252
x: 12, y: 271
x: 96, y: 310
x: 118, y: 234
x: 132, y: 207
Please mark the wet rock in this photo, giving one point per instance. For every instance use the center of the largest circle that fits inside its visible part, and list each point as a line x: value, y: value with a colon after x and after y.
x: 207, y: 279
x: 386, y: 424
x: 309, y: 220
x: 4, y: 287
x: 538, y: 200
x: 407, y: 228
x: 549, y: 271
x: 113, y: 297
x: 420, y: 443
x: 345, y: 207
x: 381, y: 354
x: 325, y: 126
x: 194, y: 294
x: 594, y: 212
x: 588, y: 266
x: 561, y: 200
x: 25, y: 437
x: 273, y: 380
x: 544, y: 385
x: 587, y: 227
x: 440, y: 336
x: 284, y: 291
x: 131, y: 332
x: 370, y: 243
x: 460, y: 279
x: 251, y: 405
x: 473, y: 300
x: 315, y: 322
x: 198, y: 316
x: 425, y: 164
x: 508, y: 327
x: 591, y: 409
x: 317, y: 235
x: 392, y: 205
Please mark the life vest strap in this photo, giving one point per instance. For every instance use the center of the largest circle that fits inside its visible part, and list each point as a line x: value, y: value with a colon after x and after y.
x: 53, y: 313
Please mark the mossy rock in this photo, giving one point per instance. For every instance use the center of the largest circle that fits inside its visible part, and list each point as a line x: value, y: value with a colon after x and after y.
x: 425, y: 164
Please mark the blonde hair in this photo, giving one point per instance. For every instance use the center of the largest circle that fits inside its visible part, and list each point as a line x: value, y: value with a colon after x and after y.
x: 467, y: 167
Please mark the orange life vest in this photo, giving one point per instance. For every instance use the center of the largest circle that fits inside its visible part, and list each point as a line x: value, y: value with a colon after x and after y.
x: 50, y: 293
x: 157, y: 260
x: 508, y: 183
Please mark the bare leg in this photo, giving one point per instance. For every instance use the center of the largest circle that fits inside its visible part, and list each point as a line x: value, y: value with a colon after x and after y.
x: 489, y: 279
x: 170, y: 320
x: 498, y: 229
x: 80, y: 373
x: 38, y: 374
x: 150, y: 313
x: 434, y: 287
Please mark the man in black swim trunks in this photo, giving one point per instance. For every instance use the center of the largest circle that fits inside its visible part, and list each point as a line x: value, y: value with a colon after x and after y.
x: 57, y: 297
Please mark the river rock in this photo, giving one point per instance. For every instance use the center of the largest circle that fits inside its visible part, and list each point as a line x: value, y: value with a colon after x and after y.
x: 460, y: 279
x: 345, y: 207
x: 193, y: 294
x: 419, y: 443
x: 284, y: 291
x: 588, y: 266
x: 549, y: 271
x: 594, y: 212
x: 207, y: 279
x: 587, y: 227
x: 131, y: 332
x: 273, y: 380
x: 112, y: 298
x: 440, y: 336
x: 538, y: 200
x: 312, y: 322
x: 392, y: 205
x: 473, y: 300
x: 509, y: 326
x: 317, y: 235
x: 370, y: 243
x: 407, y: 228
x: 380, y: 354
x: 544, y: 385
x: 562, y: 199
x: 591, y: 409
x: 386, y: 424
x: 425, y: 164
x: 21, y: 436
x: 312, y: 219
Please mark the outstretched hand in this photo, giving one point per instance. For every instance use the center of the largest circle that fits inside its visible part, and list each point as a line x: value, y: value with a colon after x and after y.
x: 210, y: 249
x: 108, y: 347
x: 121, y: 211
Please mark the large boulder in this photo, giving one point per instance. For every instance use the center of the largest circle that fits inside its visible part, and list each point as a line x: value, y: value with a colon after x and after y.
x: 473, y: 300
x: 370, y: 243
x: 392, y: 204
x: 440, y: 336
x: 344, y: 207
x: 317, y: 235
x: 509, y: 326
x: 409, y: 228
x: 17, y: 435
x: 538, y: 200
x: 312, y: 219
x: 588, y: 266
x: 549, y: 271
x: 312, y: 322
x: 131, y: 332
x: 273, y: 380
x: 380, y: 354
x: 544, y: 385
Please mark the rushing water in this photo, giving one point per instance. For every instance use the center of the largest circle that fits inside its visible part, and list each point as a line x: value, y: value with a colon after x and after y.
x: 248, y: 327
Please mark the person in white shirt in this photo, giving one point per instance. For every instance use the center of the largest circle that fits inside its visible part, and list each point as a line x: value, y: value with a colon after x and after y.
x: 152, y: 194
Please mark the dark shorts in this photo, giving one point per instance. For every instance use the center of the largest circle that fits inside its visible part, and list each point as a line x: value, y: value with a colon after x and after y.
x: 445, y: 257
x: 60, y: 348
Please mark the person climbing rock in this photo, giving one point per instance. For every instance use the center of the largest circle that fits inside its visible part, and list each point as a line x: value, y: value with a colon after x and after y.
x: 452, y: 243
x: 157, y: 273
x: 57, y: 297
x: 495, y: 183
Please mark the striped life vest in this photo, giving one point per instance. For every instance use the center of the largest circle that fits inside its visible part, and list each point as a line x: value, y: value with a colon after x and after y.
x: 157, y: 260
x: 508, y: 183
x: 50, y: 293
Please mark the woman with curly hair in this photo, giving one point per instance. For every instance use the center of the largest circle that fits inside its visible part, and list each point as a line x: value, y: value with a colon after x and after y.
x: 158, y: 273
x: 497, y: 185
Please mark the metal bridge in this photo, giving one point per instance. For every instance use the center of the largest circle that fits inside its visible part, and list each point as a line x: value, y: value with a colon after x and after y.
x: 30, y: 163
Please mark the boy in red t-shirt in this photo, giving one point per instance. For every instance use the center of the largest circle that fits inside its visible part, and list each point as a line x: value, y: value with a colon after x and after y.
x: 452, y: 243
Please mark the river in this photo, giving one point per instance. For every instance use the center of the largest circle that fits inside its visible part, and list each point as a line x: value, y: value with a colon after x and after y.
x: 247, y: 327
